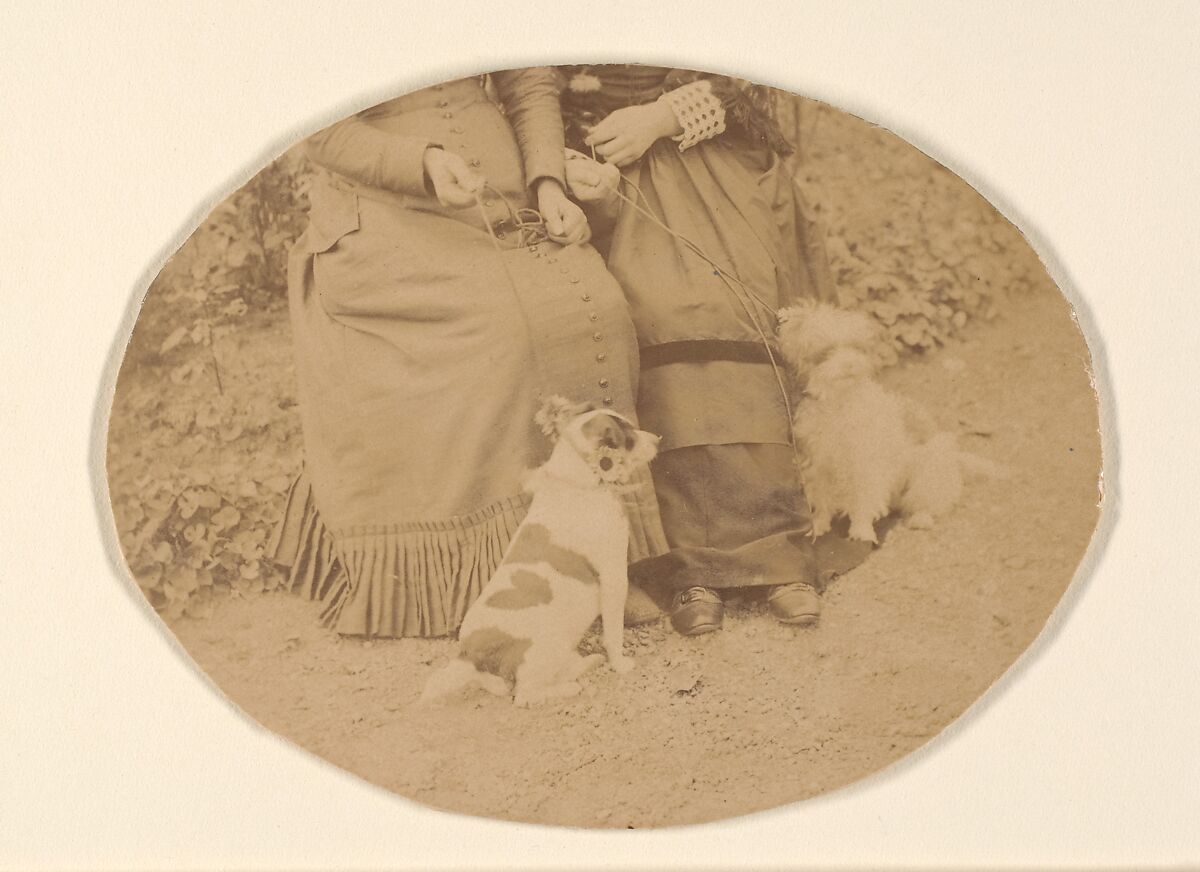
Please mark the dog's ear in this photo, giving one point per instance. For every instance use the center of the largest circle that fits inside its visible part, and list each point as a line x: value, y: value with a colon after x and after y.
x: 555, y: 412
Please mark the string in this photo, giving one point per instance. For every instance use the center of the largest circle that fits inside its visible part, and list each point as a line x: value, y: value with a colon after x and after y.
x: 727, y: 278
x: 529, y: 233
x: 535, y: 230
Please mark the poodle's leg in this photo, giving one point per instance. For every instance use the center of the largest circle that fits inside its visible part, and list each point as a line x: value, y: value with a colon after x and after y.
x: 822, y: 521
x: 862, y: 521
x: 863, y: 529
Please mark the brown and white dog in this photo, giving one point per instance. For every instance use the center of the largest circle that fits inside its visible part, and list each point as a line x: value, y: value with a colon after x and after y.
x: 864, y: 450
x: 566, y: 565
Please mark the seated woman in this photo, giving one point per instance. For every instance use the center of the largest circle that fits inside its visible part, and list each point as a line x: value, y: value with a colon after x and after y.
x: 429, y: 315
x: 700, y: 157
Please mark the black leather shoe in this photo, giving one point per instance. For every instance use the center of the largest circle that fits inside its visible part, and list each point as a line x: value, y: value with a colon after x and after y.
x: 798, y: 604
x: 697, y: 610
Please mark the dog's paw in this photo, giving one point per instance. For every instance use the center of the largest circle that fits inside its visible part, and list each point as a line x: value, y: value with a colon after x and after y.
x: 620, y: 664
x: 863, y: 531
x: 821, y: 525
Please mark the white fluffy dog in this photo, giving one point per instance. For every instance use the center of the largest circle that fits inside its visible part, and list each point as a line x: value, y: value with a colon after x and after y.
x: 565, y: 566
x: 864, y: 450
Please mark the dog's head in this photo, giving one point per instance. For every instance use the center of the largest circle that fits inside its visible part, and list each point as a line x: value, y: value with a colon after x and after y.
x: 839, y: 369
x: 809, y: 332
x: 607, y: 442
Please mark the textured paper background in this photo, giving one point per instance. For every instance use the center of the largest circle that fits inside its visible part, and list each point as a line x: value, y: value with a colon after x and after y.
x: 125, y: 122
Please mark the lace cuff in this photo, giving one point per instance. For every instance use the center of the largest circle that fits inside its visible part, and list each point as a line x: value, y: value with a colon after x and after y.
x: 699, y: 112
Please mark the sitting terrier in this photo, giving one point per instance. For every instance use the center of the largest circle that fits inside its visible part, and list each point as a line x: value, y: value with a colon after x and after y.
x: 864, y: 450
x: 566, y: 566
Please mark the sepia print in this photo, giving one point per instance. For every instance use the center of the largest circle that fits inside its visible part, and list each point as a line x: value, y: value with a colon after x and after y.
x: 605, y: 446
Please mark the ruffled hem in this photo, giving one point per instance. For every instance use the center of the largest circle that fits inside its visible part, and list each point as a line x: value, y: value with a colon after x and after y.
x: 417, y: 578
x: 302, y: 544
x: 412, y: 579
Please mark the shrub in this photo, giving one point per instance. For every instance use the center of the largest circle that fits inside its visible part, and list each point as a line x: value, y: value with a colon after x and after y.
x: 198, y: 466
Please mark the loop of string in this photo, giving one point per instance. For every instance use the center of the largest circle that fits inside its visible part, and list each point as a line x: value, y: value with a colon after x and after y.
x: 527, y: 222
x: 530, y: 226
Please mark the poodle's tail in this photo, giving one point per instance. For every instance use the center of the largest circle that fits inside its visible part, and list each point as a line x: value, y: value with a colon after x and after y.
x: 945, y: 444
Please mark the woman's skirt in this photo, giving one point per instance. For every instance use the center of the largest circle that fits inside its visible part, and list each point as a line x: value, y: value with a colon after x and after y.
x: 424, y: 345
x: 712, y: 382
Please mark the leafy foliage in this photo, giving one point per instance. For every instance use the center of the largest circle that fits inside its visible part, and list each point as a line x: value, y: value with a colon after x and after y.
x: 204, y: 437
x: 204, y: 442
x: 908, y: 241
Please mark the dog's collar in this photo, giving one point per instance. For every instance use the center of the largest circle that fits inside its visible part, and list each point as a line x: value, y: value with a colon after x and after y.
x: 616, y: 487
x: 608, y: 479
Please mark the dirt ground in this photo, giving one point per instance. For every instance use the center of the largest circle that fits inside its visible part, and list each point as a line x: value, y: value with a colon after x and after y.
x: 752, y: 717
x: 757, y: 715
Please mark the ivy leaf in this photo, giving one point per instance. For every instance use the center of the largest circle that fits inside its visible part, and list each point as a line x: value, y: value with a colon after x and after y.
x: 187, y: 373
x: 226, y: 518
x: 148, y: 575
x: 277, y: 483
x: 181, y: 581
x: 201, y: 332
x: 200, y: 605
x: 176, y: 336
x: 237, y: 254
x: 187, y: 504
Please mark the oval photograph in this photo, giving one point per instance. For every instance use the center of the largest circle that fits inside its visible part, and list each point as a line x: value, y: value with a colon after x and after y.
x: 605, y: 446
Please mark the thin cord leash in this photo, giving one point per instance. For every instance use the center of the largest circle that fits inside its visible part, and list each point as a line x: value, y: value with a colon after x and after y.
x: 532, y: 231
x: 727, y: 275
x: 728, y: 278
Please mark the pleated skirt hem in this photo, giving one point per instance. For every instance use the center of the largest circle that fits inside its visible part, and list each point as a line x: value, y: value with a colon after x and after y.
x: 410, y: 579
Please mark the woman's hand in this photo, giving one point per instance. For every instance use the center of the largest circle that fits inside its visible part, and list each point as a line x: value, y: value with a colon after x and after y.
x: 454, y: 183
x: 590, y: 181
x: 626, y: 134
x: 565, y: 222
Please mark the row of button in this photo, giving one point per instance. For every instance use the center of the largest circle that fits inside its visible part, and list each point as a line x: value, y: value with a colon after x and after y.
x: 457, y: 130
x: 593, y: 316
x: 601, y: 356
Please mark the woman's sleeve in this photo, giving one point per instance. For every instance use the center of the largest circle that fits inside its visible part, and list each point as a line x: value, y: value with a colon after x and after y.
x: 359, y: 151
x: 531, y: 101
x: 744, y: 106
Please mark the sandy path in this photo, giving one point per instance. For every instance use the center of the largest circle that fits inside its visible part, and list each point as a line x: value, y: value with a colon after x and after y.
x: 759, y: 714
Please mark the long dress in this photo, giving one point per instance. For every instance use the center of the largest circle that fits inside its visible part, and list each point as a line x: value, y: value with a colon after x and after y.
x: 425, y: 338
x: 731, y: 504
